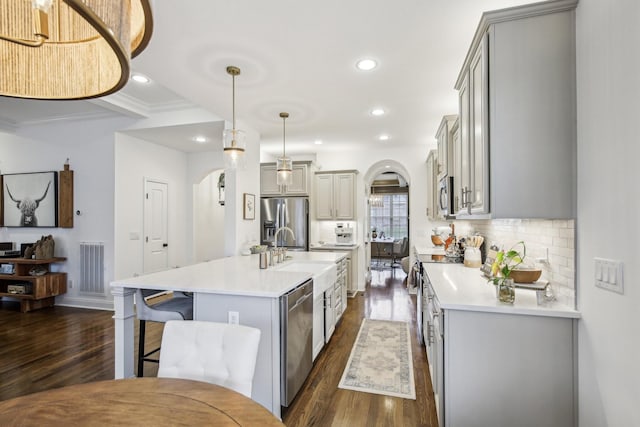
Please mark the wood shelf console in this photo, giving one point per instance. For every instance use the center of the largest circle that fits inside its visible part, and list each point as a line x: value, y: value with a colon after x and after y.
x: 44, y: 288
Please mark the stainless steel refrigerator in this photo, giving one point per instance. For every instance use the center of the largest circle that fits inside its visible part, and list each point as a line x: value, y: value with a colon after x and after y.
x: 292, y: 212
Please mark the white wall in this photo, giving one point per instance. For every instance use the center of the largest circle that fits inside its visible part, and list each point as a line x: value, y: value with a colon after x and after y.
x: 136, y: 160
x: 208, y: 219
x: 89, y: 146
x: 608, y: 74
x: 240, y: 233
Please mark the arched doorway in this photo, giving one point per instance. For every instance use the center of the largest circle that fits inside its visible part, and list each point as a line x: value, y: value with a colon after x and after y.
x: 386, y: 185
x: 208, y: 217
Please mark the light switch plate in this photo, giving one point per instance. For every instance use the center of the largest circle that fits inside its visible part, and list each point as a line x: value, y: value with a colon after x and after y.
x: 234, y: 317
x: 608, y: 275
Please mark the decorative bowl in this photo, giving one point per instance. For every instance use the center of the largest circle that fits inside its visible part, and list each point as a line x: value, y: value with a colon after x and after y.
x: 437, y: 240
x: 256, y: 249
x: 525, y: 275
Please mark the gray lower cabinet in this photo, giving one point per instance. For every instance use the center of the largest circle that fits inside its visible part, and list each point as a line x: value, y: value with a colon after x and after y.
x: 505, y: 370
x: 258, y: 312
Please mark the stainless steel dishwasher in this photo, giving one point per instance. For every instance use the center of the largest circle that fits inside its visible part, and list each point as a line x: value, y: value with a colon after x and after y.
x: 296, y: 334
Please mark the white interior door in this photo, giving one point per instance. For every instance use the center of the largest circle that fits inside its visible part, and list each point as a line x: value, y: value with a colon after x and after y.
x: 156, y: 251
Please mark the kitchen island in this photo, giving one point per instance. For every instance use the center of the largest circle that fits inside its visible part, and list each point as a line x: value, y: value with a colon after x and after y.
x: 235, y: 284
x: 493, y: 363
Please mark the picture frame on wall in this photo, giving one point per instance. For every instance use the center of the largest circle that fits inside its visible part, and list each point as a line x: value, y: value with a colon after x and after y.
x: 30, y: 199
x: 249, y: 203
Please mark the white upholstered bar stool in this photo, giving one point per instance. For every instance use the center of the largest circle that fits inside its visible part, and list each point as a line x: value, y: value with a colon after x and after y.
x: 218, y: 353
x: 179, y: 307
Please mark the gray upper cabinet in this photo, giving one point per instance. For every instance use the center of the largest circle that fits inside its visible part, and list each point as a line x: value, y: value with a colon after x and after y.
x: 335, y: 195
x: 443, y: 136
x: 299, y: 181
x: 517, y: 93
x: 432, y: 185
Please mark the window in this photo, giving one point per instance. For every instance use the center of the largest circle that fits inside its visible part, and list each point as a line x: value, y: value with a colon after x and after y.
x: 392, y: 218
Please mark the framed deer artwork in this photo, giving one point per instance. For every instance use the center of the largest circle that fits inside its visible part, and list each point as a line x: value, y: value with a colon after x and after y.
x: 30, y: 199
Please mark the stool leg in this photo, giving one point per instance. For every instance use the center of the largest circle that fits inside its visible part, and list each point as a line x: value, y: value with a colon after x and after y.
x: 141, y: 349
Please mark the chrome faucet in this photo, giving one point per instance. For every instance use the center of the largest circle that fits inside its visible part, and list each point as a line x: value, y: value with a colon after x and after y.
x: 275, y: 236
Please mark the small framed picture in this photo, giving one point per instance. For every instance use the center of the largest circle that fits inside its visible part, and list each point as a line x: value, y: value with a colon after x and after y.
x: 249, y: 211
x: 30, y: 199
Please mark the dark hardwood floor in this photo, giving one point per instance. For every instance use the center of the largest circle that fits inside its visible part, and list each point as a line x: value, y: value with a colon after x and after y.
x: 60, y: 346
x: 322, y: 403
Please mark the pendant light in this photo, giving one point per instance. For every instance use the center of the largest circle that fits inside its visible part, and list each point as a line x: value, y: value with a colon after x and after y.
x: 233, y: 139
x: 70, y: 49
x: 284, y: 167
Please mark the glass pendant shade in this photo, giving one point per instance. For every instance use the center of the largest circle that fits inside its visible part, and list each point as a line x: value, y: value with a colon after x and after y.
x: 284, y: 171
x: 70, y: 49
x: 234, y: 141
x: 284, y: 167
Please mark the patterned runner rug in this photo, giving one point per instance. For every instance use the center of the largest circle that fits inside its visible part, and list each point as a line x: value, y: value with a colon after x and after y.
x: 381, y: 360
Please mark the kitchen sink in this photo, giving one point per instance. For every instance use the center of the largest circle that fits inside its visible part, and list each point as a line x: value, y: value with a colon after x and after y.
x: 324, y: 273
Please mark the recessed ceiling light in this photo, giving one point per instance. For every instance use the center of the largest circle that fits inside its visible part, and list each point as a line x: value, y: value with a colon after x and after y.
x: 383, y: 137
x: 200, y: 139
x: 387, y: 167
x: 318, y: 142
x: 140, y: 78
x: 377, y: 112
x: 366, y: 64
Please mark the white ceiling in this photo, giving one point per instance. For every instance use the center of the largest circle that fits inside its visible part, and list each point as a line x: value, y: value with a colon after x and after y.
x: 297, y: 56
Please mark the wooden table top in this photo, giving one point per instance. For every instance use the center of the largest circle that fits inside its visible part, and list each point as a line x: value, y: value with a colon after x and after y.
x: 136, y: 402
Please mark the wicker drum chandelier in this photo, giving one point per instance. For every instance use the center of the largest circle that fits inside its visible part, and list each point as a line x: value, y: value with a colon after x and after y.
x: 70, y: 49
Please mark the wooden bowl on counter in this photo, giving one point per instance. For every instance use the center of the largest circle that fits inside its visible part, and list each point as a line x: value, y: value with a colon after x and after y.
x: 525, y: 275
x: 437, y: 240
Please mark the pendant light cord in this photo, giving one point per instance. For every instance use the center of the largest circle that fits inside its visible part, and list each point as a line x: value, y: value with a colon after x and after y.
x: 283, y: 136
x: 233, y: 101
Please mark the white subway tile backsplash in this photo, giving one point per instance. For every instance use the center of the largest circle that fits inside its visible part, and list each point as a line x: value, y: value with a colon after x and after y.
x: 555, y: 236
x: 560, y: 242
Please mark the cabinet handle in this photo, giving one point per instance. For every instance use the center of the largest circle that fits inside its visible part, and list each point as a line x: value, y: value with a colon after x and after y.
x: 430, y: 334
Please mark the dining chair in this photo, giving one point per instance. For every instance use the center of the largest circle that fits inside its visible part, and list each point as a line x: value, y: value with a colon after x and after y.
x: 178, y: 307
x: 399, y: 249
x: 219, y: 353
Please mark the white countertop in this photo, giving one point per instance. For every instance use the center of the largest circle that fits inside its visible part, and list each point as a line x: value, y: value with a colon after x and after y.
x: 461, y: 288
x: 333, y: 247
x: 427, y: 250
x: 238, y: 275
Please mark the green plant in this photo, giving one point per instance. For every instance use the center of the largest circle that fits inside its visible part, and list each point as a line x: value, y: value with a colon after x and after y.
x: 505, y: 262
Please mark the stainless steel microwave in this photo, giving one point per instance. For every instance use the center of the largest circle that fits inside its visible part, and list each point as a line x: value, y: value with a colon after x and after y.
x: 445, y: 197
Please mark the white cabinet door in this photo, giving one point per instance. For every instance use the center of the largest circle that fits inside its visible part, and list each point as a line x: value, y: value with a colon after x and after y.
x: 350, y: 286
x: 478, y: 137
x: 329, y: 314
x: 299, y: 185
x: 268, y: 183
x: 299, y: 181
x: 318, y: 324
x: 324, y: 196
x: 335, y: 196
x: 344, y: 196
